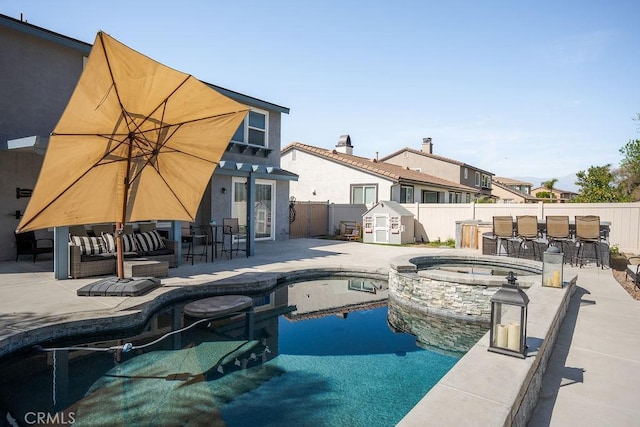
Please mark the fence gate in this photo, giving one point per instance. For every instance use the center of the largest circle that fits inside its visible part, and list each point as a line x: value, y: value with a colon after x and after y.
x: 310, y: 219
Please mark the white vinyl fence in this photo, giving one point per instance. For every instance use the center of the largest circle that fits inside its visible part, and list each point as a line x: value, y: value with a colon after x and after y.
x: 438, y: 221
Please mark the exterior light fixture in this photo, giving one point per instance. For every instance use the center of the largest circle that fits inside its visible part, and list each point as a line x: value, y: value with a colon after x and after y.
x: 552, y: 265
x: 508, y: 333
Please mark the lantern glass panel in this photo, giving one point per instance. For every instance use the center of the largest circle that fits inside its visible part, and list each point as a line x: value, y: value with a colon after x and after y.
x: 552, y: 267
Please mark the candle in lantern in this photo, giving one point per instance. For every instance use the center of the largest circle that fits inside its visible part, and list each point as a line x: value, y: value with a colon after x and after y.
x: 501, y: 334
x: 556, y: 279
x: 513, y: 337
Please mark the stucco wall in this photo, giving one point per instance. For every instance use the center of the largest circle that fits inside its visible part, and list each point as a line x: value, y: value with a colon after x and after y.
x: 331, y: 181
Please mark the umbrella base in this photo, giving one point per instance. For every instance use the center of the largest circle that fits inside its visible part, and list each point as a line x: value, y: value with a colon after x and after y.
x: 114, y: 287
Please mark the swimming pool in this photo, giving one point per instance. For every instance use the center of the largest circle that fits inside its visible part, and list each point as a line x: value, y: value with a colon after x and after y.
x: 322, y: 354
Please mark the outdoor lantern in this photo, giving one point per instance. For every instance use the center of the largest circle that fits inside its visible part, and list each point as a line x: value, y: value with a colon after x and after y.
x: 552, y: 264
x: 508, y: 333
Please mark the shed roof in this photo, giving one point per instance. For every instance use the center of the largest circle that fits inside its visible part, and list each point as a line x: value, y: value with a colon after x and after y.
x: 394, y: 206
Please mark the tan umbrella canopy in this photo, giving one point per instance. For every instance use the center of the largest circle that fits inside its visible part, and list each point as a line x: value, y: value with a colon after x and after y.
x: 137, y: 141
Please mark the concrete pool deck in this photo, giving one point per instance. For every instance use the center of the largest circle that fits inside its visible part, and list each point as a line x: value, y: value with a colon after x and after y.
x: 592, y: 374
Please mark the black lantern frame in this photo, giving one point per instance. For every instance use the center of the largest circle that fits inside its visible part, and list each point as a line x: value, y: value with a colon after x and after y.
x: 511, y: 338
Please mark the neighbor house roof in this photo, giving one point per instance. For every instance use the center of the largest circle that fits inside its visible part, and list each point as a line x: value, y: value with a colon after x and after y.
x: 433, y: 156
x: 515, y: 192
x: 554, y: 190
x: 43, y: 33
x: 379, y: 168
x: 510, y: 181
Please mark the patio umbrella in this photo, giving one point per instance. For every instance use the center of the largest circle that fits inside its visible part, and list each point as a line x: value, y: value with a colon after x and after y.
x: 137, y: 141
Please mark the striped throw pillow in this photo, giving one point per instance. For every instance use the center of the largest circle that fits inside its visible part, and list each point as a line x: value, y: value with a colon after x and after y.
x: 88, y: 245
x: 149, y: 241
x: 128, y: 242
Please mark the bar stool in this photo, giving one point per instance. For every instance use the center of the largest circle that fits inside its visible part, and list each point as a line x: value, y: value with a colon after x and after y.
x: 191, y: 238
x: 588, y: 233
x: 232, y: 230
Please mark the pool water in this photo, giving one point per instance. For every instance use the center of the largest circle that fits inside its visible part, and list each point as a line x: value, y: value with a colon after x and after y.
x: 330, y: 360
x: 484, y: 270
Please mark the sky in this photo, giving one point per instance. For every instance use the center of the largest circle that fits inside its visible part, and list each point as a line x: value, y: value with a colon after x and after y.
x: 542, y: 89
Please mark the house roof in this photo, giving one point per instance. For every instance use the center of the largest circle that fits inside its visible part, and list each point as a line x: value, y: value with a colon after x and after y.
x: 433, y: 156
x: 510, y: 181
x: 513, y: 191
x: 43, y: 33
x: 554, y: 190
x: 378, y: 168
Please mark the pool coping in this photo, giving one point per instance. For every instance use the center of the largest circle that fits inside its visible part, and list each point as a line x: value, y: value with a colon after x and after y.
x: 489, y: 388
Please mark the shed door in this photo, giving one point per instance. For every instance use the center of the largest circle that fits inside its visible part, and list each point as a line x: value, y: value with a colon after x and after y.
x: 381, y: 228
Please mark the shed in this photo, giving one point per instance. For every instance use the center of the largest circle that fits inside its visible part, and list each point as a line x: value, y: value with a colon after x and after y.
x: 389, y: 223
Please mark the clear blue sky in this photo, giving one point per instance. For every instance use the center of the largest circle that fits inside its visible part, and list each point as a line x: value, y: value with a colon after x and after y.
x: 542, y: 88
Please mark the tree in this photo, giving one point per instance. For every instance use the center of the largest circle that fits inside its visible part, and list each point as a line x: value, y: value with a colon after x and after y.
x: 630, y: 169
x: 549, y: 194
x: 598, y: 185
x: 629, y: 172
x: 549, y: 184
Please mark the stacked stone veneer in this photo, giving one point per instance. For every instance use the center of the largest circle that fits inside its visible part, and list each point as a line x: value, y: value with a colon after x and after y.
x: 442, y: 334
x: 458, y: 295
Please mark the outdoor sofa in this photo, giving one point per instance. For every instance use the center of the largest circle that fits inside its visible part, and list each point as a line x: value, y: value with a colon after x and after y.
x: 96, y: 255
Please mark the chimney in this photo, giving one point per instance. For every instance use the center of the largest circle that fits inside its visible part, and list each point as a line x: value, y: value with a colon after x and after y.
x: 344, y: 145
x: 427, y: 145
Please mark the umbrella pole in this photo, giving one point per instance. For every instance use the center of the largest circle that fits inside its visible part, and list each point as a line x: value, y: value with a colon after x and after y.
x: 119, y: 257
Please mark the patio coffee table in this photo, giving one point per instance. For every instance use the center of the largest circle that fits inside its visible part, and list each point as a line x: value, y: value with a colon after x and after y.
x: 146, y: 268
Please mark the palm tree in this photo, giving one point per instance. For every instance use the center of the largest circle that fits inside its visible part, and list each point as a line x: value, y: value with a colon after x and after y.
x: 548, y: 185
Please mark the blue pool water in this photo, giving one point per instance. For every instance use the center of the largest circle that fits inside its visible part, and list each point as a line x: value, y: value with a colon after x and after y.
x: 331, y: 360
x: 351, y: 372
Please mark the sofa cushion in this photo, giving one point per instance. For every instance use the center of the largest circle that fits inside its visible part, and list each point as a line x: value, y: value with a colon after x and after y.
x: 128, y: 242
x: 149, y: 241
x: 163, y: 251
x: 97, y: 257
x: 88, y: 245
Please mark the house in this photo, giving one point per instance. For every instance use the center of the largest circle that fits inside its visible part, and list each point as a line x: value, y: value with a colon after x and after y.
x: 507, y: 194
x: 339, y: 176
x: 559, y: 196
x: 40, y: 70
x: 509, y: 190
x: 521, y: 186
x: 452, y: 170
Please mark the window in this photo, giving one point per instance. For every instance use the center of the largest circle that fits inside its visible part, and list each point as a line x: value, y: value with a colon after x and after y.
x: 486, y: 181
x: 466, y: 173
x: 455, y: 197
x: 406, y: 194
x: 432, y: 197
x: 477, y: 179
x: 363, y: 194
x: 253, y: 129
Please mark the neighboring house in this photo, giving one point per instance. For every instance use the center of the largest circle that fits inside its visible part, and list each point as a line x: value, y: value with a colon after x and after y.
x: 452, y: 170
x: 506, y: 194
x: 521, y: 186
x: 338, y: 176
x: 40, y: 69
x: 560, y: 196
